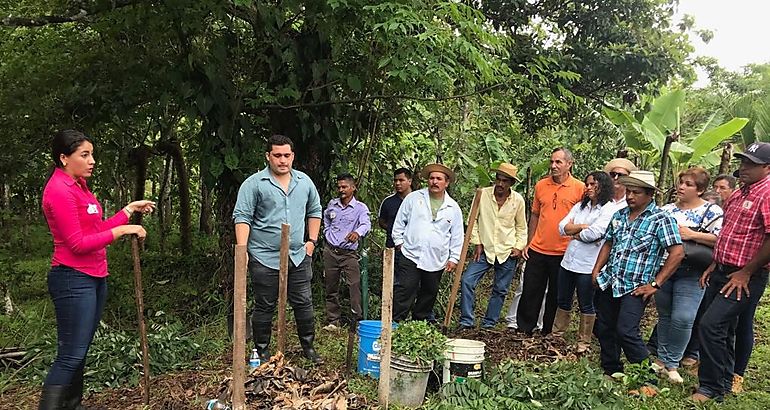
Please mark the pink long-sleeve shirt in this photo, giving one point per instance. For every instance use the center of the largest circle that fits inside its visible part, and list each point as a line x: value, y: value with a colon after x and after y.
x: 74, y: 216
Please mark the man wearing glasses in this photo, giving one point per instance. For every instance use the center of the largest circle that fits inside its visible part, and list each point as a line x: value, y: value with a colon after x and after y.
x: 617, y: 168
x: 554, y: 197
x: 499, y: 236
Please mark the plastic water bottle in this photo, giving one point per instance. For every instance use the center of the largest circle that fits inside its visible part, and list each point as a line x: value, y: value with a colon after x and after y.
x: 254, y: 360
x: 215, y: 404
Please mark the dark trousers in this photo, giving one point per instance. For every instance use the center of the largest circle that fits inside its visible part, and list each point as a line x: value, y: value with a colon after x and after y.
x: 617, y: 327
x: 541, y: 272
x: 569, y: 282
x: 415, y: 291
x: 264, y: 282
x: 341, y: 262
x: 744, y: 335
x: 79, y: 301
x: 717, y: 330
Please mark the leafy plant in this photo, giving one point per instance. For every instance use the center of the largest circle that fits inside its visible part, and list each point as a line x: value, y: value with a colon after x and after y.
x: 419, y: 341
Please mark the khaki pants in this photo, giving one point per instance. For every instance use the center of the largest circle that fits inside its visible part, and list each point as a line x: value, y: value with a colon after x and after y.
x: 341, y: 262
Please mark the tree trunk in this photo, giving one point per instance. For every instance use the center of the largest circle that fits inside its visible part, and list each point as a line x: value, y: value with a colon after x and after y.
x: 664, y: 160
x: 165, y: 183
x: 185, y: 231
x: 727, y: 155
x: 204, y: 224
x: 138, y: 158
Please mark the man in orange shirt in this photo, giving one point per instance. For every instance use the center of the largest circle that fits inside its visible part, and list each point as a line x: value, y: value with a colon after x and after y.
x: 554, y: 197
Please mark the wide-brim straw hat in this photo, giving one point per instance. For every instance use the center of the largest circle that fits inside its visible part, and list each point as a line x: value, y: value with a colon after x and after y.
x: 508, y: 170
x: 426, y: 170
x: 620, y: 163
x: 642, y: 179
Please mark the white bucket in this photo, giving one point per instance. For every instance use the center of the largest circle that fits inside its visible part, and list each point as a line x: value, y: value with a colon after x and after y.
x: 464, y: 360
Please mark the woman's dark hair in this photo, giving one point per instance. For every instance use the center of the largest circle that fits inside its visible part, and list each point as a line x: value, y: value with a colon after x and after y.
x: 699, y: 175
x: 605, y: 185
x: 66, y: 142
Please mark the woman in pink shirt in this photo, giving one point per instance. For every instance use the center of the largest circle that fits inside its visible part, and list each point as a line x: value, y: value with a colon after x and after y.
x: 77, y: 279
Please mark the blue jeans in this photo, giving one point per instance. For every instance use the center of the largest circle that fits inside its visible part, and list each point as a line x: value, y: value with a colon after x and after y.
x: 79, y: 301
x: 717, y: 330
x: 566, y: 285
x: 744, y: 335
x: 617, y: 327
x: 472, y: 276
x: 677, y: 302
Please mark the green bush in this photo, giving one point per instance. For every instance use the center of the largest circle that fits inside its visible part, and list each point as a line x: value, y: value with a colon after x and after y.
x: 419, y: 341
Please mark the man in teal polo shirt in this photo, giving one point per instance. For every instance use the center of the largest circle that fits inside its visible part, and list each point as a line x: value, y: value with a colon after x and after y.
x: 279, y: 194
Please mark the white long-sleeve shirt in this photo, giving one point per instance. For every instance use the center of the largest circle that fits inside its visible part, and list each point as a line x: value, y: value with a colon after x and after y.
x: 427, y: 242
x: 581, y: 253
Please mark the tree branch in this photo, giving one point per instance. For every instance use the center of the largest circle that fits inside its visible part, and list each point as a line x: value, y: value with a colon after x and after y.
x: 257, y: 110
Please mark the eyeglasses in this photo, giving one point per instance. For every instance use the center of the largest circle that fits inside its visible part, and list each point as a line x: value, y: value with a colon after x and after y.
x: 615, y: 175
x: 554, y: 200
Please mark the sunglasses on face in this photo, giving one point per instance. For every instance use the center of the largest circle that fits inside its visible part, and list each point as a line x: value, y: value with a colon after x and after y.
x: 615, y: 175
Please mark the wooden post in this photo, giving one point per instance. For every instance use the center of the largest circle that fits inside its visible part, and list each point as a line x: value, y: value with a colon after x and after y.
x: 283, y: 276
x: 387, y: 325
x: 239, y: 331
x: 463, y: 256
x: 139, y: 295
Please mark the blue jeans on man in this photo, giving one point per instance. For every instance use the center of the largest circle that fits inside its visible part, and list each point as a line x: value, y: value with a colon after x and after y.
x: 677, y: 302
x: 471, y: 277
x: 717, y: 330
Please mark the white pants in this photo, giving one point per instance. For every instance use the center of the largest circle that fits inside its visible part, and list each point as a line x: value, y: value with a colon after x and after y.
x: 511, y: 316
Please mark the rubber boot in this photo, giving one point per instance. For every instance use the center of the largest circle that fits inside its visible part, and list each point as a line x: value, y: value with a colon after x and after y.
x: 306, y: 333
x: 74, y: 395
x: 52, y: 397
x: 560, y: 323
x: 585, y: 330
x: 261, y: 333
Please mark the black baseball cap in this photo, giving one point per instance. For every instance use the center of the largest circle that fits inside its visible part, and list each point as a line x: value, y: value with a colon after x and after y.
x: 756, y: 152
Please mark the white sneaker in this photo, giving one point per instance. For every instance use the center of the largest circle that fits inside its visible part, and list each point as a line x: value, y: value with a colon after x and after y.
x: 674, y: 376
x: 330, y: 327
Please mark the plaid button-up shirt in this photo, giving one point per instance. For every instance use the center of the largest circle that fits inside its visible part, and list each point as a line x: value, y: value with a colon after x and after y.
x: 637, y: 248
x: 747, y: 221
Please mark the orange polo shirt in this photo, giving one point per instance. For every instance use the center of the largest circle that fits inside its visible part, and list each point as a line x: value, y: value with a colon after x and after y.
x: 552, y: 202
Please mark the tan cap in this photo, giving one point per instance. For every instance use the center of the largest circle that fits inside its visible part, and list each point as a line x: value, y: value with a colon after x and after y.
x: 426, y: 170
x: 643, y: 179
x: 508, y: 170
x: 620, y: 163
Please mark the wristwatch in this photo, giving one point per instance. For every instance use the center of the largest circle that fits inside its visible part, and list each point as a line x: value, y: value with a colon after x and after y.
x: 314, y: 241
x: 655, y: 285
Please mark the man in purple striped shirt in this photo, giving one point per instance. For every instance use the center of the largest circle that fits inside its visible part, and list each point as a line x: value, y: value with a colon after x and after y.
x: 345, y: 221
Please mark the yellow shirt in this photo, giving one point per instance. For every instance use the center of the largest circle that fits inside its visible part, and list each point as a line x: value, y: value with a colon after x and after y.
x: 500, y: 230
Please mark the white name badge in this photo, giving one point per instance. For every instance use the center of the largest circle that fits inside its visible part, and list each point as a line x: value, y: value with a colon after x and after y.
x: 92, y: 209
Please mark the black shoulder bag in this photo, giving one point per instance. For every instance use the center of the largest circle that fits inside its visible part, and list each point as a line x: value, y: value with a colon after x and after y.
x: 696, y: 254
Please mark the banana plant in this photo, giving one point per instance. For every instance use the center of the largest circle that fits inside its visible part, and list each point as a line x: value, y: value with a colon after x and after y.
x: 655, y: 137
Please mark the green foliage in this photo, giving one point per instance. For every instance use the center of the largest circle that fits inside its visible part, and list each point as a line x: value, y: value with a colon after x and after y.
x: 419, y: 341
x: 115, y: 356
x: 524, y: 385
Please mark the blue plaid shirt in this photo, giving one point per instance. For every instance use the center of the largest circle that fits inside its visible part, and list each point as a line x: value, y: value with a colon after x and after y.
x: 637, y: 248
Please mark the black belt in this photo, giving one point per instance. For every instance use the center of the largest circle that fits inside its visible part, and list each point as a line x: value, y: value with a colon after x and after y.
x: 730, y: 269
x: 339, y: 250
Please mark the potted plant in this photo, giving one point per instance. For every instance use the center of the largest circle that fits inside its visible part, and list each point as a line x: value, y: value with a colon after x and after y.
x: 415, y: 346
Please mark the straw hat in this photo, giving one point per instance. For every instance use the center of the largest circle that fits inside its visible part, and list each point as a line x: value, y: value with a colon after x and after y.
x: 620, y: 163
x: 426, y: 170
x: 643, y: 179
x: 508, y: 170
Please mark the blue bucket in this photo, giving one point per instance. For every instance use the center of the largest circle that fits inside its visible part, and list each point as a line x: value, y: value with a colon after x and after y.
x: 369, y: 347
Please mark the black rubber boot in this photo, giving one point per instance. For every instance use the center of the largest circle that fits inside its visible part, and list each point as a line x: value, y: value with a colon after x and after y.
x: 74, y: 394
x: 53, y: 397
x: 306, y: 333
x: 261, y: 333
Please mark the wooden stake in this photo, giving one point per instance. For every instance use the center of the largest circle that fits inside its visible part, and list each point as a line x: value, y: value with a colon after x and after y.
x: 463, y: 256
x: 239, y: 331
x: 387, y: 323
x: 283, y: 276
x: 140, y: 317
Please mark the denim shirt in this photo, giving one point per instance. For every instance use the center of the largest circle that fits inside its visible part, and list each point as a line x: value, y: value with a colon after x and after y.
x: 264, y: 206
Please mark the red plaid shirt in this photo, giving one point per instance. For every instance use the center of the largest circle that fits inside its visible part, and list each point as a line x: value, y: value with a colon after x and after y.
x: 747, y: 222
